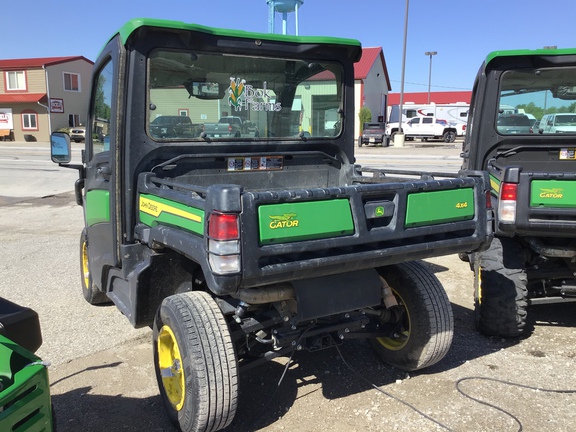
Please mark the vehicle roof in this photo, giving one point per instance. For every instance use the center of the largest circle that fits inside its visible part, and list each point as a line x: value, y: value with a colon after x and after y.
x: 526, y: 52
x: 128, y: 28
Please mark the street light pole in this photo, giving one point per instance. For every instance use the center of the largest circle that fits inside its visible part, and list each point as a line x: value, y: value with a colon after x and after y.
x: 400, y: 130
x: 430, y: 53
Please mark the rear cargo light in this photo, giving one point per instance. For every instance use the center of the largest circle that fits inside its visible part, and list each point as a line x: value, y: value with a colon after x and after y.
x: 224, y: 243
x: 507, y: 203
x: 488, y: 200
x: 223, y: 226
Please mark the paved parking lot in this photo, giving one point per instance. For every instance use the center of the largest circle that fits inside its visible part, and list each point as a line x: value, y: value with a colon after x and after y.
x: 102, y: 373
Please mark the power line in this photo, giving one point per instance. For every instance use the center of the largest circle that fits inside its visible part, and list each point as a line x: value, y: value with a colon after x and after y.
x: 438, y: 86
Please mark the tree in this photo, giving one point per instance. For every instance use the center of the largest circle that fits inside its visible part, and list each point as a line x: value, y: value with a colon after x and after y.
x: 365, y: 116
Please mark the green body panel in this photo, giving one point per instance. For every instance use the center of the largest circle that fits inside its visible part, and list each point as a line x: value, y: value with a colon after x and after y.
x: 154, y: 210
x: 97, y: 206
x: 431, y: 208
x: 25, y: 394
x: 553, y: 193
x: 304, y: 221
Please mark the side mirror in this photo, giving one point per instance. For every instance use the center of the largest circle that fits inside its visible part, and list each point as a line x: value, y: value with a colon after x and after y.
x: 60, y: 148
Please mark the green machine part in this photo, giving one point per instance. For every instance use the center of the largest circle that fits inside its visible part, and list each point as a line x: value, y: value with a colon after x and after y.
x: 25, y: 403
x: 436, y: 207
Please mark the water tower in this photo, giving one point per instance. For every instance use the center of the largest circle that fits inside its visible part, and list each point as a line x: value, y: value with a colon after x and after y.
x: 284, y: 7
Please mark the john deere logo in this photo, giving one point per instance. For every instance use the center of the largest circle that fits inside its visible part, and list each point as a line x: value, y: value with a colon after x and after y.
x: 379, y: 212
x: 554, y: 193
x: 287, y: 220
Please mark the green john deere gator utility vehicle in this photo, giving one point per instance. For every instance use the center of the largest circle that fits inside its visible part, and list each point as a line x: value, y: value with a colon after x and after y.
x: 239, y: 248
x: 531, y: 161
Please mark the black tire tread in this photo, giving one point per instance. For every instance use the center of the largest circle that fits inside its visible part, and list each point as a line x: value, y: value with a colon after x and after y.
x: 433, y: 332
x: 502, y: 310
x: 92, y: 294
x: 212, y: 358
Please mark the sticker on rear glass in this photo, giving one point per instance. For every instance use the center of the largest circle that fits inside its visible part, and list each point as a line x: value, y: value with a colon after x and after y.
x: 259, y: 163
x: 243, y: 96
x: 567, y: 154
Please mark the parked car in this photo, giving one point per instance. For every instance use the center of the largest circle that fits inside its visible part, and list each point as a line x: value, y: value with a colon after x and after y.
x: 558, y: 123
x: 373, y: 133
x: 172, y: 127
x: 514, y: 124
x: 78, y: 134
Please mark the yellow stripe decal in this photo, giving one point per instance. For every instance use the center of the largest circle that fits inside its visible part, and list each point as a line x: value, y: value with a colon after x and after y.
x: 154, y: 208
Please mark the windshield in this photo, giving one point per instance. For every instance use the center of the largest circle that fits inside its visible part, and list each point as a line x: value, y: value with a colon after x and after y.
x: 214, y: 96
x: 531, y: 101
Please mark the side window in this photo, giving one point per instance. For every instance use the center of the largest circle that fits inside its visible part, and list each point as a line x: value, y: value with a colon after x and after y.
x: 101, y: 109
x: 427, y: 120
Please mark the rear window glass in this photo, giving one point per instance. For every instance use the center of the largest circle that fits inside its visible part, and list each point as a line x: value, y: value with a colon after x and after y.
x: 529, y: 94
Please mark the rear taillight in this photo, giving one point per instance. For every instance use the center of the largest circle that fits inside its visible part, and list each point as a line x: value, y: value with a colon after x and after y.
x: 224, y: 243
x: 507, y: 202
x: 229, y: 128
x: 488, y: 200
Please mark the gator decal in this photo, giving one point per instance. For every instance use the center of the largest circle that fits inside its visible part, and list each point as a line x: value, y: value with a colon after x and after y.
x: 97, y: 207
x: 304, y: 221
x: 159, y: 211
x: 432, y: 208
x: 553, y: 193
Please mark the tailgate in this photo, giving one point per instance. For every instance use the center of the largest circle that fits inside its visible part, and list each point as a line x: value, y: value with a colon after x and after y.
x: 325, y: 231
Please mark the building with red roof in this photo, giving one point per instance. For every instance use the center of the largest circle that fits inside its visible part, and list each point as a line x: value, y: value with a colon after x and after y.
x: 41, y: 95
x: 372, y: 84
x: 435, y: 97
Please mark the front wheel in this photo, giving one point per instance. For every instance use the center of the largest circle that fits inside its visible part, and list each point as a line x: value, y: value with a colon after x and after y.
x: 425, y: 327
x: 500, y: 292
x: 195, y: 363
x: 91, y: 292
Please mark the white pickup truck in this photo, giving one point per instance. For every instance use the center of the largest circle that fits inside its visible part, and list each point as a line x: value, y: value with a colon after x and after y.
x: 424, y: 128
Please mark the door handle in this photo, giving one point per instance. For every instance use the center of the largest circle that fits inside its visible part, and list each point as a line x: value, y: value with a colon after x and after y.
x: 104, y: 171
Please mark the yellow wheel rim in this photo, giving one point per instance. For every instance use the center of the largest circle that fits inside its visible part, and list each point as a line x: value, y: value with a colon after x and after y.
x: 85, y: 269
x: 479, y: 281
x: 399, y: 340
x: 170, y: 366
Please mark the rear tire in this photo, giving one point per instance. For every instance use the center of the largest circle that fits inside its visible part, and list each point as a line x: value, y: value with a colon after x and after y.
x: 91, y: 292
x: 500, y: 292
x: 427, y: 324
x: 195, y: 363
x: 449, y: 137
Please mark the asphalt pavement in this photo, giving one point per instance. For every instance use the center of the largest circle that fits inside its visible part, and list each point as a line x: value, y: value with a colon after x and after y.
x: 102, y: 374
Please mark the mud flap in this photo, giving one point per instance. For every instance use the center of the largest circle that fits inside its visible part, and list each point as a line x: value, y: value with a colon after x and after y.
x: 329, y: 295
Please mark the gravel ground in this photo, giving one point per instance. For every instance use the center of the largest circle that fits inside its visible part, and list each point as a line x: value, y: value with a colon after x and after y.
x: 102, y: 373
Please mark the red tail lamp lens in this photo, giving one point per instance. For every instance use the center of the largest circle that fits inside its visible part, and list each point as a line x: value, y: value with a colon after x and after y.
x: 508, y: 191
x: 222, y: 226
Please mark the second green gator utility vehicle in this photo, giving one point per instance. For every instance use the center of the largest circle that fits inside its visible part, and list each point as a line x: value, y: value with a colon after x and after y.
x: 239, y: 249
x: 532, y: 166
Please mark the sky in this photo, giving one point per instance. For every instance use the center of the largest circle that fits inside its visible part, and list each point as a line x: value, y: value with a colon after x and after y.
x: 462, y: 32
